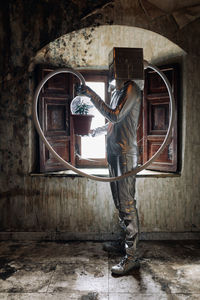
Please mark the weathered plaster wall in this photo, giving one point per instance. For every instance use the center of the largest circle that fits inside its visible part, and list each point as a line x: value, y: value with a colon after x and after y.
x: 90, y: 47
x: 54, y: 204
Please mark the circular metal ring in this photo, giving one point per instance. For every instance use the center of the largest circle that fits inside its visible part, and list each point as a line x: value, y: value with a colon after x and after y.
x: 82, y: 80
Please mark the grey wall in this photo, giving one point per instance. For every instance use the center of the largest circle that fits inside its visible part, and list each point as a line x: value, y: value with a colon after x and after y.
x: 66, y: 207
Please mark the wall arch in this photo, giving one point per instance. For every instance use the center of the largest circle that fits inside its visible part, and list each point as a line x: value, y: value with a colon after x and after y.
x: 89, y: 47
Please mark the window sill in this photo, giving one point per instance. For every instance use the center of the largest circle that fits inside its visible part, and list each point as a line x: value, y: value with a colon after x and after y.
x: 103, y: 172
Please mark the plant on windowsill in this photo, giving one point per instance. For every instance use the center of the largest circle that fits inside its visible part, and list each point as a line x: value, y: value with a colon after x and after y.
x: 80, y: 114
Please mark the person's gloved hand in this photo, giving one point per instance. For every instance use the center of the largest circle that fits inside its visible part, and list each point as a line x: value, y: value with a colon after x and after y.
x: 84, y: 90
x: 92, y: 133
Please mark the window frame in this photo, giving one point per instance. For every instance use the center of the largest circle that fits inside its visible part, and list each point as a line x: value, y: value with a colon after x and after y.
x: 99, y: 75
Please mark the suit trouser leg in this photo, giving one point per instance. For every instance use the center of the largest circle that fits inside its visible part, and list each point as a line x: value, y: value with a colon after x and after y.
x: 123, y: 192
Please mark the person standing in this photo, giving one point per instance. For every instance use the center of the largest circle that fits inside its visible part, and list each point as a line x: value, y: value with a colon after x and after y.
x: 122, y: 155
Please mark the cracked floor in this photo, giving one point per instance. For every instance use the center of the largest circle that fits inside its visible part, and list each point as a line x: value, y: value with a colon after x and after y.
x: 81, y: 270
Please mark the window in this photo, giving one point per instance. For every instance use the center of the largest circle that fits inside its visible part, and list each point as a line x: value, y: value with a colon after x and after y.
x: 57, y: 124
x: 94, y: 148
x: 91, y: 151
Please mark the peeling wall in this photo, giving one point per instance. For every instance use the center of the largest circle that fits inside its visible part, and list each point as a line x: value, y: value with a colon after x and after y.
x: 89, y: 47
x: 78, y: 206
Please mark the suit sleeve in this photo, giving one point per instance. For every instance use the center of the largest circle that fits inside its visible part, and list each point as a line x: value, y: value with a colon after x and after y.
x: 128, y: 97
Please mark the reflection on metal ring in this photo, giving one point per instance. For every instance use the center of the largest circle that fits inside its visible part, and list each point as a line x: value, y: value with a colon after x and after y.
x: 82, y: 80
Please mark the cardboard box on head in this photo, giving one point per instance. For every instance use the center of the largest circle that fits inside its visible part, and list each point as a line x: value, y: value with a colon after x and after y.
x: 126, y: 64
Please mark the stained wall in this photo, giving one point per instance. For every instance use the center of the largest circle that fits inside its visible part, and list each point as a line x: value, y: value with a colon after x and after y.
x: 74, y: 207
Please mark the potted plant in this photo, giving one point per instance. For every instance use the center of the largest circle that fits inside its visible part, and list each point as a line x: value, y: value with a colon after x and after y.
x: 80, y: 109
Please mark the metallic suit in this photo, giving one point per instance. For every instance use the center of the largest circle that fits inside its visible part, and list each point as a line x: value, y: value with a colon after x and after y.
x: 122, y: 114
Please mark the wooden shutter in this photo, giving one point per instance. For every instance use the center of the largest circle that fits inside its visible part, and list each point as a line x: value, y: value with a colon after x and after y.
x: 54, y: 115
x: 140, y: 137
x: 156, y: 119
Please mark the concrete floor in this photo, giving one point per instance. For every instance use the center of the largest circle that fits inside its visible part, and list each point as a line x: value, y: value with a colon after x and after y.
x: 81, y: 270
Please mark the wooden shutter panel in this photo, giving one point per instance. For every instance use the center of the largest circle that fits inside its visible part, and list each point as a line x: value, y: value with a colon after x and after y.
x: 54, y: 115
x: 156, y: 119
x: 140, y: 137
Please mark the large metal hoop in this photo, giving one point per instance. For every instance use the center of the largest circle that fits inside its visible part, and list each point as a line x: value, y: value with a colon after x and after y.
x: 82, y: 80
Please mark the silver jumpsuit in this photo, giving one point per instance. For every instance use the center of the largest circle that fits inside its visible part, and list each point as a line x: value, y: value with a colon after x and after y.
x: 122, y: 114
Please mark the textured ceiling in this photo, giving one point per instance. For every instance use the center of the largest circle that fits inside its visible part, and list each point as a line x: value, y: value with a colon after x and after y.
x: 173, y: 5
x: 183, y: 11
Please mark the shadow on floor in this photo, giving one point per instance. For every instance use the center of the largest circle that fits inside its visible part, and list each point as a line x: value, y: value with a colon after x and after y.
x: 81, y: 270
